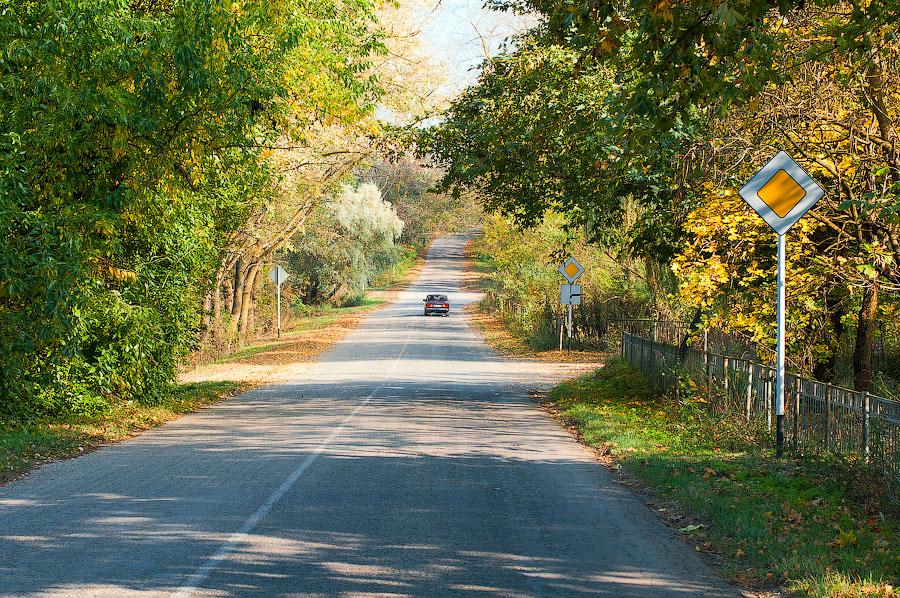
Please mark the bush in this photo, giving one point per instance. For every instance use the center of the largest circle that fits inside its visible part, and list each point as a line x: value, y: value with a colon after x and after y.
x: 354, y: 300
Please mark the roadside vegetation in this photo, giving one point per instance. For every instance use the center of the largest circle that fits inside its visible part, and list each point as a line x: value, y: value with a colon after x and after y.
x: 157, y: 159
x: 621, y: 133
x: 814, y: 526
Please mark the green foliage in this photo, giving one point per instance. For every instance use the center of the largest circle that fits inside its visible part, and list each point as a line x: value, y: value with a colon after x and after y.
x: 25, y: 444
x: 640, y: 121
x: 410, y: 187
x: 349, y: 241
x: 131, y: 147
x: 523, y: 285
x: 539, y: 133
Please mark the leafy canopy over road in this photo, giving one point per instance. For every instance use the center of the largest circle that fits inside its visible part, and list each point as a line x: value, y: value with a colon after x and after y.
x: 134, y: 143
x: 639, y: 122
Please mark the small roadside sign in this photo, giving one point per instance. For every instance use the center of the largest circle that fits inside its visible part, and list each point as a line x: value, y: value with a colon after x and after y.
x: 571, y: 269
x: 781, y: 192
x: 278, y: 275
x: 570, y: 294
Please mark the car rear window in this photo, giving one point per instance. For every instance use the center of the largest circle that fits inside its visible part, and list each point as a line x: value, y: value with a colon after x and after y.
x: 436, y: 298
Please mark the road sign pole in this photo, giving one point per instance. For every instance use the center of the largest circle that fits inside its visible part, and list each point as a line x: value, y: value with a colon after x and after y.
x: 278, y: 275
x: 779, y: 380
x: 278, y: 286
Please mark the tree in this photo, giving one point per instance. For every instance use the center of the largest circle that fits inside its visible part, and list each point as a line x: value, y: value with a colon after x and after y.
x: 408, y: 184
x: 345, y: 245
x: 311, y: 167
x: 667, y: 107
x: 131, y: 150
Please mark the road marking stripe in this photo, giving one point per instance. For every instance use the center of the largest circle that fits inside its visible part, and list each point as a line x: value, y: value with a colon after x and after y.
x: 241, y: 535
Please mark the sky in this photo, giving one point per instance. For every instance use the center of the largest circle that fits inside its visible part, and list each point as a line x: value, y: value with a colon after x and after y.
x: 460, y: 32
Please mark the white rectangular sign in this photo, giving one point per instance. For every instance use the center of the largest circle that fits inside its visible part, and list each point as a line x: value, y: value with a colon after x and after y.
x: 570, y: 294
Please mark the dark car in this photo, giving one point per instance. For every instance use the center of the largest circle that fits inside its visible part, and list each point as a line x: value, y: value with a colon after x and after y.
x: 437, y: 304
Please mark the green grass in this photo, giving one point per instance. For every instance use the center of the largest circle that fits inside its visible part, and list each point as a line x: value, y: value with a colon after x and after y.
x: 26, y: 445
x: 817, y: 527
x: 321, y: 317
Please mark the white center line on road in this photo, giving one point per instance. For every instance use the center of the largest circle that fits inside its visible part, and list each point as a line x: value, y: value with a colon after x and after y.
x: 241, y: 535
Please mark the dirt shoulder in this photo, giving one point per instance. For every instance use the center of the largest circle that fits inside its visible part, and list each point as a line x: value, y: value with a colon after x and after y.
x: 273, y: 360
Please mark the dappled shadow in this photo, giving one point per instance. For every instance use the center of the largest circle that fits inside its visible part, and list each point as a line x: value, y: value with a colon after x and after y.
x: 424, y: 518
x: 429, y: 488
x: 408, y: 461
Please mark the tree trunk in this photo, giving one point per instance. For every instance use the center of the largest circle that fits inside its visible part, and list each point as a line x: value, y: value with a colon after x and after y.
x: 246, y: 302
x: 237, y: 291
x: 217, y: 305
x: 685, y: 343
x: 823, y: 369
x: 207, y: 316
x: 657, y: 292
x: 227, y: 290
x: 240, y: 278
x: 865, y: 339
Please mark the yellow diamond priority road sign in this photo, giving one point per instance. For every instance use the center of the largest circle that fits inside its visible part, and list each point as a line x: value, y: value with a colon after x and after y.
x: 571, y: 269
x: 781, y: 192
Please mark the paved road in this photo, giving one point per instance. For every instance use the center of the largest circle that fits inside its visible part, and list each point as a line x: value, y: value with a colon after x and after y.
x: 409, y: 461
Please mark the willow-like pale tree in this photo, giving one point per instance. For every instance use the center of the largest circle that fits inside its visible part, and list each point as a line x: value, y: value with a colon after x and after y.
x: 347, y: 240
x: 310, y: 167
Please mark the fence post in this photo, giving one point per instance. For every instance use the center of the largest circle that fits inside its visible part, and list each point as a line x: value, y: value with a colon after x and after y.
x: 725, y: 363
x: 749, y: 388
x: 865, y: 431
x: 768, y: 387
x: 827, y: 417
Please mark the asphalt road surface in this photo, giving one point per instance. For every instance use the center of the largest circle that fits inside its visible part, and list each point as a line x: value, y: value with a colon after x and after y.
x: 408, y: 461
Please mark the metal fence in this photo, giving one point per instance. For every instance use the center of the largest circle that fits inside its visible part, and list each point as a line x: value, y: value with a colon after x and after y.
x: 819, y: 417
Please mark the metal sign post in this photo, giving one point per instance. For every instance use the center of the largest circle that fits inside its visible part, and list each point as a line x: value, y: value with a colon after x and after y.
x: 570, y: 294
x: 781, y: 193
x: 278, y: 275
x: 779, y: 372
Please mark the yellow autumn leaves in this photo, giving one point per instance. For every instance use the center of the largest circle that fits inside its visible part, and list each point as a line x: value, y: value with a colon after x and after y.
x: 728, y: 266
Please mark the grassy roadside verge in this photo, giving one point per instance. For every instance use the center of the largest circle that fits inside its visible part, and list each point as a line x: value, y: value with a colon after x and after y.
x: 317, y: 330
x: 811, y: 526
x: 28, y: 445
x: 408, y: 265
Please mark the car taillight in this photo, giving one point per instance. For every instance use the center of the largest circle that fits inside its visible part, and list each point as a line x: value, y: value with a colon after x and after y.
x: 429, y: 305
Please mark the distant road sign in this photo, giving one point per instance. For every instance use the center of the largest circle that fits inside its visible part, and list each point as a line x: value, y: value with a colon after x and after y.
x: 570, y: 294
x: 278, y: 275
x: 571, y: 269
x: 781, y: 192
